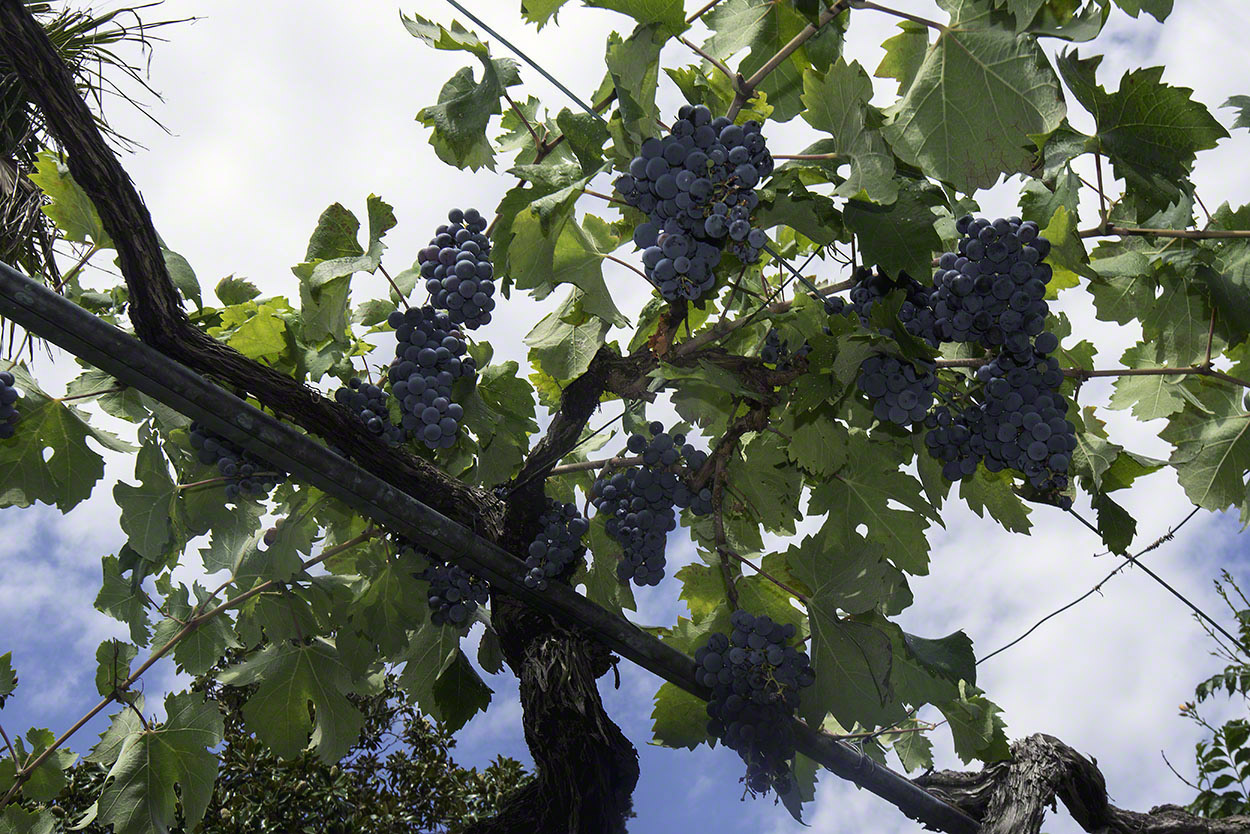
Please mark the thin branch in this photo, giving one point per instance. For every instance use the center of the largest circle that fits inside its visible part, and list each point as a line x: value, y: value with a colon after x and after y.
x: 783, y: 586
x: 1103, y: 212
x: 702, y: 11
x: 538, y: 143
x: 89, y: 394
x: 924, y: 21
x: 628, y: 265
x: 718, y: 507
x: 1111, y: 230
x: 811, y: 156
x: 394, y: 286
x: 730, y: 74
x: 1210, y: 337
x: 603, y: 196
x: 17, y: 763
x: 1083, y: 374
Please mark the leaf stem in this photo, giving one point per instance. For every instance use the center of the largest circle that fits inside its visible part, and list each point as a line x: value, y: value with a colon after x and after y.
x: 707, y: 8
x: 90, y: 394
x: 924, y: 21
x: 394, y: 286
x: 17, y: 763
x: 1111, y: 230
x: 730, y: 74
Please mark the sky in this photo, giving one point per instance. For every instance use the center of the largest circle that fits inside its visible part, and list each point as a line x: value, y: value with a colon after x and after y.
x: 277, y: 110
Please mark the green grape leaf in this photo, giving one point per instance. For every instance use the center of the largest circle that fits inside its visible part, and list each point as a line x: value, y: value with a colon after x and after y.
x: 765, y: 27
x: 981, y: 90
x: 1150, y: 131
x: 540, y: 12
x: 138, y: 795
x: 899, y: 237
x: 459, y: 693
x: 1159, y: 9
x: 1177, y: 322
x: 818, y: 444
x: 670, y: 14
x: 48, y: 779
x: 904, y: 54
x: 852, y: 664
x: 586, y: 136
x: 1149, y: 397
x: 1094, y: 453
x: 991, y: 491
x: 123, y: 725
x: 438, y: 675
x: 69, y: 207
x: 702, y: 587
x: 680, y: 719
x: 17, y: 820
x: 386, y: 605
x: 197, y: 652
x: 465, y: 106
x: 70, y: 472
x: 231, y: 290
x: 501, y: 413
x: 183, y: 277
x: 602, y: 585
x: 766, y: 480
x: 8, y: 678
x: 1212, y: 455
x: 1115, y: 524
x: 146, y: 511
x: 634, y: 67
x: 122, y: 602
x: 976, y: 726
x: 847, y: 570
x: 113, y: 659
x: 915, y: 751
x: 837, y: 103
x: 863, y: 491
x: 291, y: 677
x: 1242, y: 105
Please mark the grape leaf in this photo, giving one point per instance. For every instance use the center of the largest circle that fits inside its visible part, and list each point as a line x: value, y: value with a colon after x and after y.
x: 634, y: 66
x: 1212, y: 454
x: 122, y: 602
x: 1150, y: 131
x: 1115, y: 524
x: 904, y: 54
x: 124, y: 723
x: 68, y: 205
x: 1159, y: 9
x: 670, y: 14
x: 17, y: 820
x: 146, y: 511
x: 680, y: 719
x: 291, y: 677
x: 702, y: 587
x: 385, y: 605
x: 976, y: 726
x: 852, y: 664
x: 138, y: 795
x: 113, y: 659
x: 206, y: 644
x: 847, y: 570
x: 48, y: 779
x: 899, y: 237
x: 231, y: 290
x: 459, y: 694
x: 1149, y: 397
x: 68, y: 475
x: 992, y: 491
x: 8, y: 678
x: 465, y: 106
x: 837, y: 103
x: 540, y: 12
x: 981, y: 90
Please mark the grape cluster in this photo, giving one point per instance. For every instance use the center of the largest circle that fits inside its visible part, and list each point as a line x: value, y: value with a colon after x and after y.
x: 776, y: 352
x: 454, y: 593
x: 755, y: 678
x: 429, y: 357
x: 369, y: 401
x: 457, y: 270
x: 8, y: 405
x: 697, y: 187
x: 992, y: 291
x: 557, y: 545
x: 900, y: 393
x: 245, y: 473
x: 638, y: 501
x: 1017, y: 422
x: 916, y: 312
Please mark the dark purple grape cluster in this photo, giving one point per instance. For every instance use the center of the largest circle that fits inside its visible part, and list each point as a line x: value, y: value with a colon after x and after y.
x: 697, y: 187
x: 639, y: 500
x: 755, y: 678
x: 457, y: 270
x: 557, y: 545
x: 1017, y: 421
x: 369, y: 401
x: 454, y: 593
x: 900, y: 393
x: 245, y: 473
x: 916, y: 312
x: 8, y: 405
x: 429, y: 356
x: 992, y: 290
x: 776, y: 352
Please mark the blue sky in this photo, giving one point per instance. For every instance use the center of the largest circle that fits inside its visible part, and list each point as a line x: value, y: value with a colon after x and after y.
x: 302, y: 110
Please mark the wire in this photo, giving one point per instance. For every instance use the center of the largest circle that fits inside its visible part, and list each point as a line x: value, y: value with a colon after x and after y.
x: 527, y: 59
x: 1128, y: 560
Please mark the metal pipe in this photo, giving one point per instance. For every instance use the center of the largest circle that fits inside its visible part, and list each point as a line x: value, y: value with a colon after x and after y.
x: 60, y: 321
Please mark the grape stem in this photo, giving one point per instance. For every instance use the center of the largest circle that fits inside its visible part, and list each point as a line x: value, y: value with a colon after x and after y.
x: 1082, y: 374
x: 195, y: 622
x: 538, y: 143
x: 924, y: 21
x: 707, y: 8
x: 734, y: 78
x: 16, y: 761
x: 394, y: 286
x: 89, y: 394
